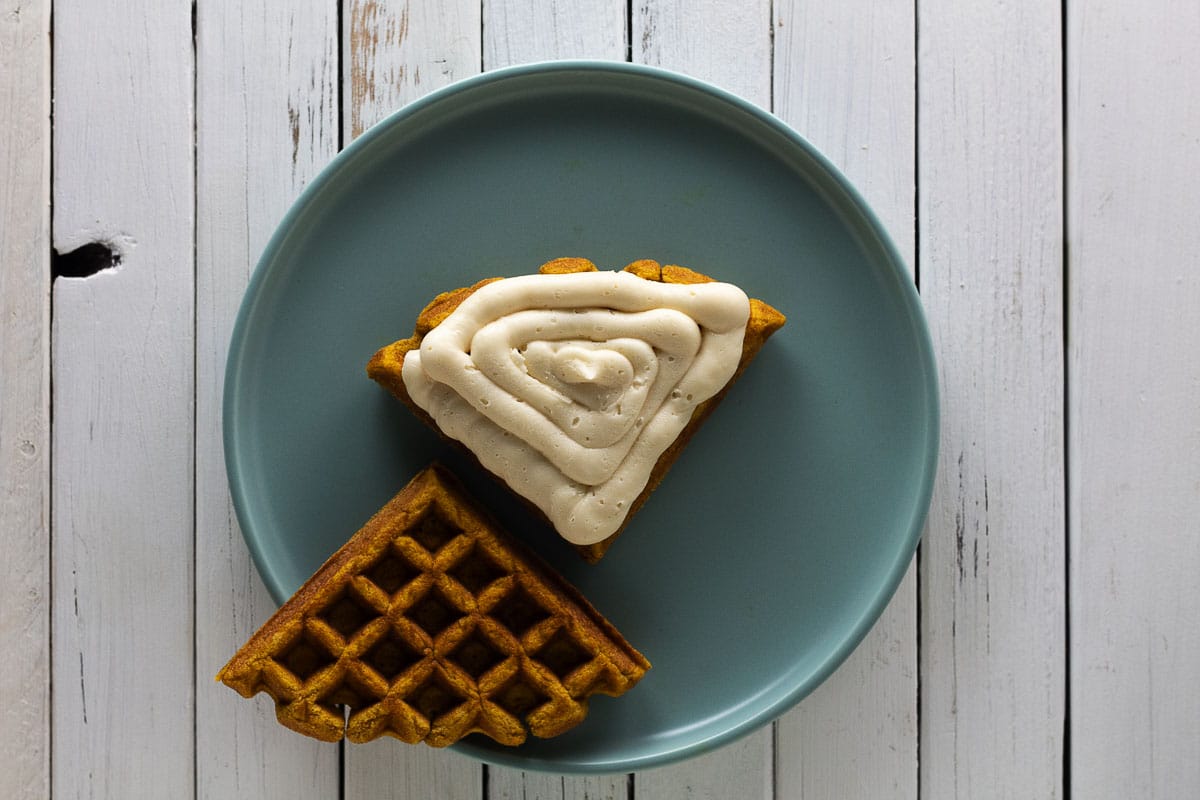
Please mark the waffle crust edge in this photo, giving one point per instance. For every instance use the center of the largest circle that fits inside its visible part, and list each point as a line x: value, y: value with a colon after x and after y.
x: 432, y: 623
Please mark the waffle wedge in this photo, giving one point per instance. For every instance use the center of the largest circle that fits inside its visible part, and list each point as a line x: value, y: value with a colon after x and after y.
x: 430, y: 624
x: 387, y: 365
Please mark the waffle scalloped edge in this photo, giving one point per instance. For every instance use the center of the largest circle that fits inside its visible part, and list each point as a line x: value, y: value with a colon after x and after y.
x: 432, y: 623
x: 386, y: 366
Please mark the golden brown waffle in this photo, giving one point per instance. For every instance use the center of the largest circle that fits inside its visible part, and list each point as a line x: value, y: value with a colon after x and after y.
x: 386, y: 365
x: 432, y: 623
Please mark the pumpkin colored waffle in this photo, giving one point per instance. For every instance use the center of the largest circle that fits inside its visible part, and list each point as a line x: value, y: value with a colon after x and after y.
x: 430, y: 624
x: 385, y: 367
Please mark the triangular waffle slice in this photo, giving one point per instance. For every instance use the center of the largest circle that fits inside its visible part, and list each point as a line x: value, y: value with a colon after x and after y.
x: 432, y: 623
x: 498, y: 439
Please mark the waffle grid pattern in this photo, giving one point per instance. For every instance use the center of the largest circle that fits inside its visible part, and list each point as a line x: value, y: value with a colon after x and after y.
x: 437, y: 630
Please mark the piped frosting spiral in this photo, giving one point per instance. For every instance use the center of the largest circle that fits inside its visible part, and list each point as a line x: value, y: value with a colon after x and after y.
x: 570, y: 386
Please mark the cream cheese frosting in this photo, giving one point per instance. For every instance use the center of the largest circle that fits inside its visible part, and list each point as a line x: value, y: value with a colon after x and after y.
x: 569, y: 387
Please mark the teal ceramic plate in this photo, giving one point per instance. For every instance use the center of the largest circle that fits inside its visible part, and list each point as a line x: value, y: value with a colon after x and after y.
x: 777, y: 538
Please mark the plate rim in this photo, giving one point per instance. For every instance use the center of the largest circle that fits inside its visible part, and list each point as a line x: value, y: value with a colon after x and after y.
x: 891, y: 256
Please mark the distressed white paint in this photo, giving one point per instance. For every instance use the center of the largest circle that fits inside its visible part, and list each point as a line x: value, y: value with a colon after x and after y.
x: 992, y: 566
x: 388, y: 768
x: 726, y: 44
x: 517, y: 31
x: 1134, y: 385
x: 395, y: 51
x: 845, y: 79
x: 122, y: 647
x: 739, y: 770
x: 267, y: 121
x: 25, y: 400
x: 845, y: 74
x: 511, y: 784
x: 733, y: 51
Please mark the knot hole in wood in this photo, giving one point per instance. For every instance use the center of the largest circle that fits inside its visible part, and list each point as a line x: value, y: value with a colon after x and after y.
x: 84, y: 261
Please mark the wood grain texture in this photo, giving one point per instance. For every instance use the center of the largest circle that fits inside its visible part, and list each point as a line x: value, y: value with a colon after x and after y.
x: 738, y: 770
x: 993, y: 567
x: 1134, y: 385
x: 387, y: 768
x: 845, y: 79
x: 517, y: 31
x: 512, y: 784
x: 25, y: 400
x: 733, y: 51
x: 122, y: 495
x: 708, y: 40
x: 395, y: 51
x: 267, y: 121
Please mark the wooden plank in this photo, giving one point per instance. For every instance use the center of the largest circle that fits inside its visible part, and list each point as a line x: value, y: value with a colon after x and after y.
x: 517, y: 31
x: 513, y: 33
x: 708, y: 40
x: 512, y: 784
x: 738, y: 770
x: 992, y: 576
x: 395, y: 51
x: 122, y: 496
x: 25, y: 399
x: 388, y: 768
x: 733, y: 51
x: 1134, y: 387
x: 845, y: 79
x: 267, y: 121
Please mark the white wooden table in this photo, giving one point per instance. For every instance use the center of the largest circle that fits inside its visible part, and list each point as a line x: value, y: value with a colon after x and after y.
x: 1038, y: 165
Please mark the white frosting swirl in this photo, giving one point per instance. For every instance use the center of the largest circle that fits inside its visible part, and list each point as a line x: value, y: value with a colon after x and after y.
x: 570, y: 387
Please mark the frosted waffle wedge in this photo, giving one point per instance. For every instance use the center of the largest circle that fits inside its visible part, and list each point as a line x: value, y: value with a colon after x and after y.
x: 430, y: 624
x: 607, y: 377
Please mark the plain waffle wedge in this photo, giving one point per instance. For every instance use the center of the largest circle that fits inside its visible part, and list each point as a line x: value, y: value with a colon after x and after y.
x: 432, y: 623
x: 385, y: 367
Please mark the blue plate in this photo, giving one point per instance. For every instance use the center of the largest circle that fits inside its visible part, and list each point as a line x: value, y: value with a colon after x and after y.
x: 778, y: 537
